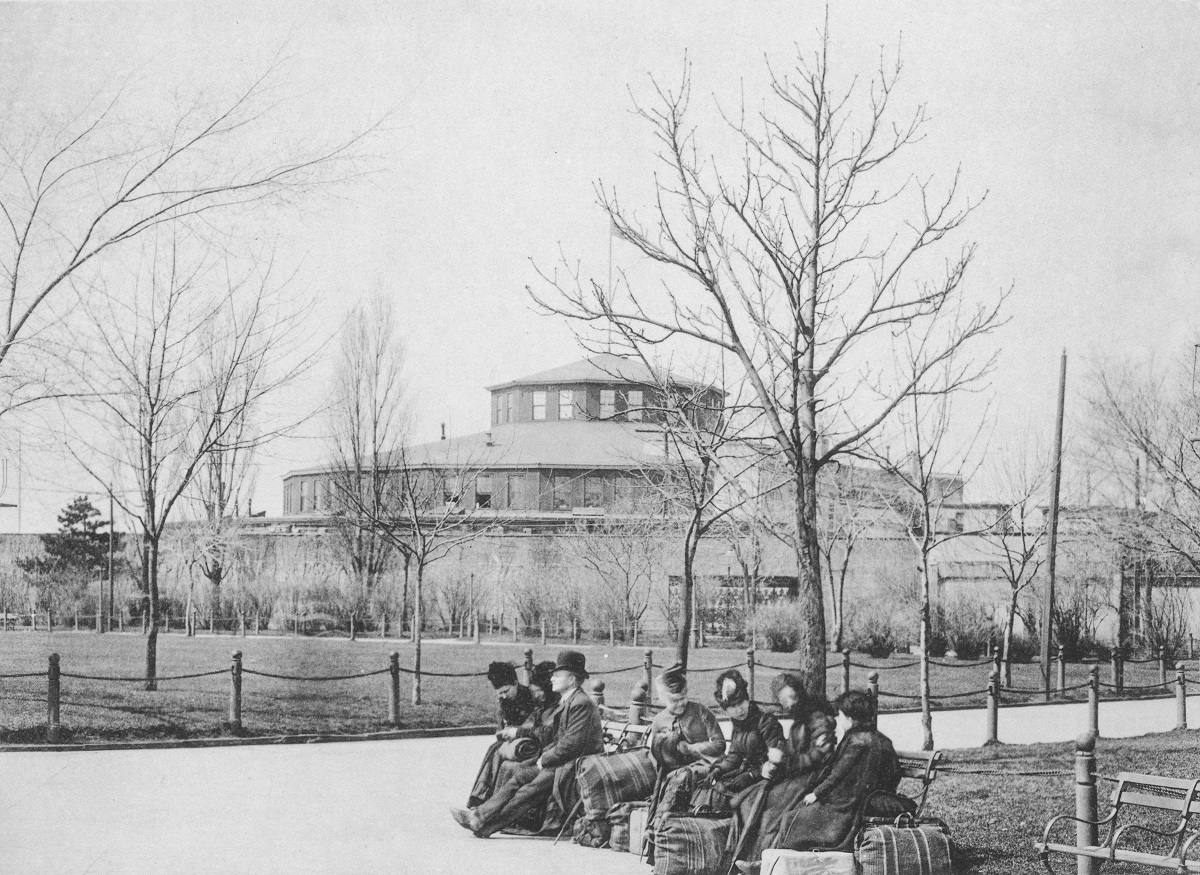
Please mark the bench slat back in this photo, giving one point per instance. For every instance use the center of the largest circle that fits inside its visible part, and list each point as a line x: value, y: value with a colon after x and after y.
x: 1158, y: 792
x: 919, y: 765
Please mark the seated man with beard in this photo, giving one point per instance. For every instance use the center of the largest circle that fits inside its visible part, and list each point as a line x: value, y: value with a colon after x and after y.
x: 516, y: 703
x: 578, y: 732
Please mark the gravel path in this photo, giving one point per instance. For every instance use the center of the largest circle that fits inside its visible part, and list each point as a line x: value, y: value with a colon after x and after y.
x: 354, y: 808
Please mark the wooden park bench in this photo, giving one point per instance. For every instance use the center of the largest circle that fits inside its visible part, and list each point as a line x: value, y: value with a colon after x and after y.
x: 920, y: 766
x: 619, y: 735
x: 1174, y: 799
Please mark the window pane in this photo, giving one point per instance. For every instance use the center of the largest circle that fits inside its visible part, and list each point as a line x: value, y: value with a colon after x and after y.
x: 508, y: 406
x: 593, y: 492
x: 633, y: 405
x: 608, y: 403
x: 566, y: 404
x: 539, y: 405
x: 560, y: 487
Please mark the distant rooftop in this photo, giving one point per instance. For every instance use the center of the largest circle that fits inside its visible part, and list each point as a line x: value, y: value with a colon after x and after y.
x: 603, y: 368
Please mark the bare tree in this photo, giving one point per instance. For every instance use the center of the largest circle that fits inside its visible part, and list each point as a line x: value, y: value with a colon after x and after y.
x: 426, y: 513
x: 182, y: 356
x: 853, y: 507
x: 622, y: 556
x: 777, y: 260
x: 931, y: 461
x: 1017, y: 540
x: 369, y: 422
x: 77, y: 184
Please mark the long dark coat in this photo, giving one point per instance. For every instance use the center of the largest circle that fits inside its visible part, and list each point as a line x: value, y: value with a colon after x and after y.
x: 748, y: 745
x: 519, y: 711
x: 865, y: 762
x: 760, y: 810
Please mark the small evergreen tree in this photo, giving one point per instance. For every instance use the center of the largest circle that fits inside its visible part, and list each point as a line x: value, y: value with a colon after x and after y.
x: 77, y: 552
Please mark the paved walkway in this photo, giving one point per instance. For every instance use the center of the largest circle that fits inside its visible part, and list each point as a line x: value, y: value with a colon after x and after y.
x: 354, y: 808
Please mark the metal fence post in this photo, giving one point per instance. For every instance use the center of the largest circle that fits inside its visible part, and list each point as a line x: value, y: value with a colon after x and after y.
x: 1115, y: 673
x: 750, y: 671
x: 636, y: 624
x: 475, y: 625
x: 235, y: 692
x: 528, y: 665
x: 597, y: 693
x: 1094, y: 701
x: 1062, y: 670
x: 648, y: 675
x: 1180, y: 698
x: 993, y: 708
x: 1086, y: 834
x: 543, y: 631
x: 873, y: 686
x: 845, y: 671
x: 394, y: 688
x: 612, y: 633
x: 52, y: 700
x: 1162, y: 665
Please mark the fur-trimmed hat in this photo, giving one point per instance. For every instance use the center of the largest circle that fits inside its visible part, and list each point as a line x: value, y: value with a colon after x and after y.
x: 732, y: 689
x: 541, y: 675
x: 501, y: 674
x: 674, y: 679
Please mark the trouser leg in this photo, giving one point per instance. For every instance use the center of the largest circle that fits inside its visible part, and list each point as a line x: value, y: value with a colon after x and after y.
x: 519, y: 802
x: 521, y: 775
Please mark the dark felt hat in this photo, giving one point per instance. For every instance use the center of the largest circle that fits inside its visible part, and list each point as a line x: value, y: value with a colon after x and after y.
x: 674, y: 678
x: 501, y: 674
x: 574, y: 662
x: 541, y: 675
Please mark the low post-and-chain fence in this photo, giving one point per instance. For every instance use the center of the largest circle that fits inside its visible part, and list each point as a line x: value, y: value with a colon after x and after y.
x: 641, y: 700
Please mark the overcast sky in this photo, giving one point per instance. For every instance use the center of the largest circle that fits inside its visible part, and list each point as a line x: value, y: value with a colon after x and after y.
x: 1079, y: 122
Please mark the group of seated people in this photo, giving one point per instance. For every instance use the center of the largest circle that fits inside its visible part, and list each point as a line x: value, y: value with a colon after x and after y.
x: 798, y: 791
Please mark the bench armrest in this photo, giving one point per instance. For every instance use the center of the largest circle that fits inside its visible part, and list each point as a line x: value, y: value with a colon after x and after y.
x: 1061, y: 817
x: 1116, y: 836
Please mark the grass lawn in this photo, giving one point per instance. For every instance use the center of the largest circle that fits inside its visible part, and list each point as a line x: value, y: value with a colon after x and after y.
x: 996, y: 818
x: 96, y: 709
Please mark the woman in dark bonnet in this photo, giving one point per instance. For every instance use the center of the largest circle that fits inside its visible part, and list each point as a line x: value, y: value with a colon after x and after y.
x: 760, y: 810
x: 515, y: 704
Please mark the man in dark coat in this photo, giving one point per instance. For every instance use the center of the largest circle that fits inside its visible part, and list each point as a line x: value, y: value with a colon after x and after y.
x: 578, y: 733
x: 515, y: 705
x: 865, y: 762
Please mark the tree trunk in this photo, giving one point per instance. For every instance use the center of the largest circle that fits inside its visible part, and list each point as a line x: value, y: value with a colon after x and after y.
x: 926, y: 634
x: 416, y: 634
x: 1008, y: 633
x: 150, y: 572
x: 811, y: 644
x: 404, y: 595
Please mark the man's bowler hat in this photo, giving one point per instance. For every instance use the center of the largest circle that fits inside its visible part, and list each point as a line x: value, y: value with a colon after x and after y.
x: 572, y: 661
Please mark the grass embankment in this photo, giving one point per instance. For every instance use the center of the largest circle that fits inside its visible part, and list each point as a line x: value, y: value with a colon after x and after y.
x: 101, y: 709
x: 996, y: 818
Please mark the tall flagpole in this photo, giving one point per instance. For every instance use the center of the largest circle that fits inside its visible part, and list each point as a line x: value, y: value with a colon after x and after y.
x: 1048, y: 608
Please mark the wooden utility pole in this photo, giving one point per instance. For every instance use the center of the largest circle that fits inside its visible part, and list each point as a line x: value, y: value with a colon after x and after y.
x: 112, y: 524
x: 1048, y: 607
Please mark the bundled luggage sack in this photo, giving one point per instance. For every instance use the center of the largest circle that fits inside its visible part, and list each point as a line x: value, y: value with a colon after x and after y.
x: 780, y: 862
x: 620, y: 824
x: 692, y: 846
x: 591, y: 832
x: 905, y: 847
x: 606, y: 780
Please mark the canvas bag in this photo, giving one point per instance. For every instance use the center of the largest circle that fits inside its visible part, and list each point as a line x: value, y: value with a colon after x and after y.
x: 606, y: 780
x: 620, y: 822
x: 692, y: 846
x: 590, y: 832
x: 780, y: 862
x: 907, y: 847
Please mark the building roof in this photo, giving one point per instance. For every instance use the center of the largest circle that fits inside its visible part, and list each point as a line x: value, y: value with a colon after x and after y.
x: 603, y: 368
x: 577, y: 444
